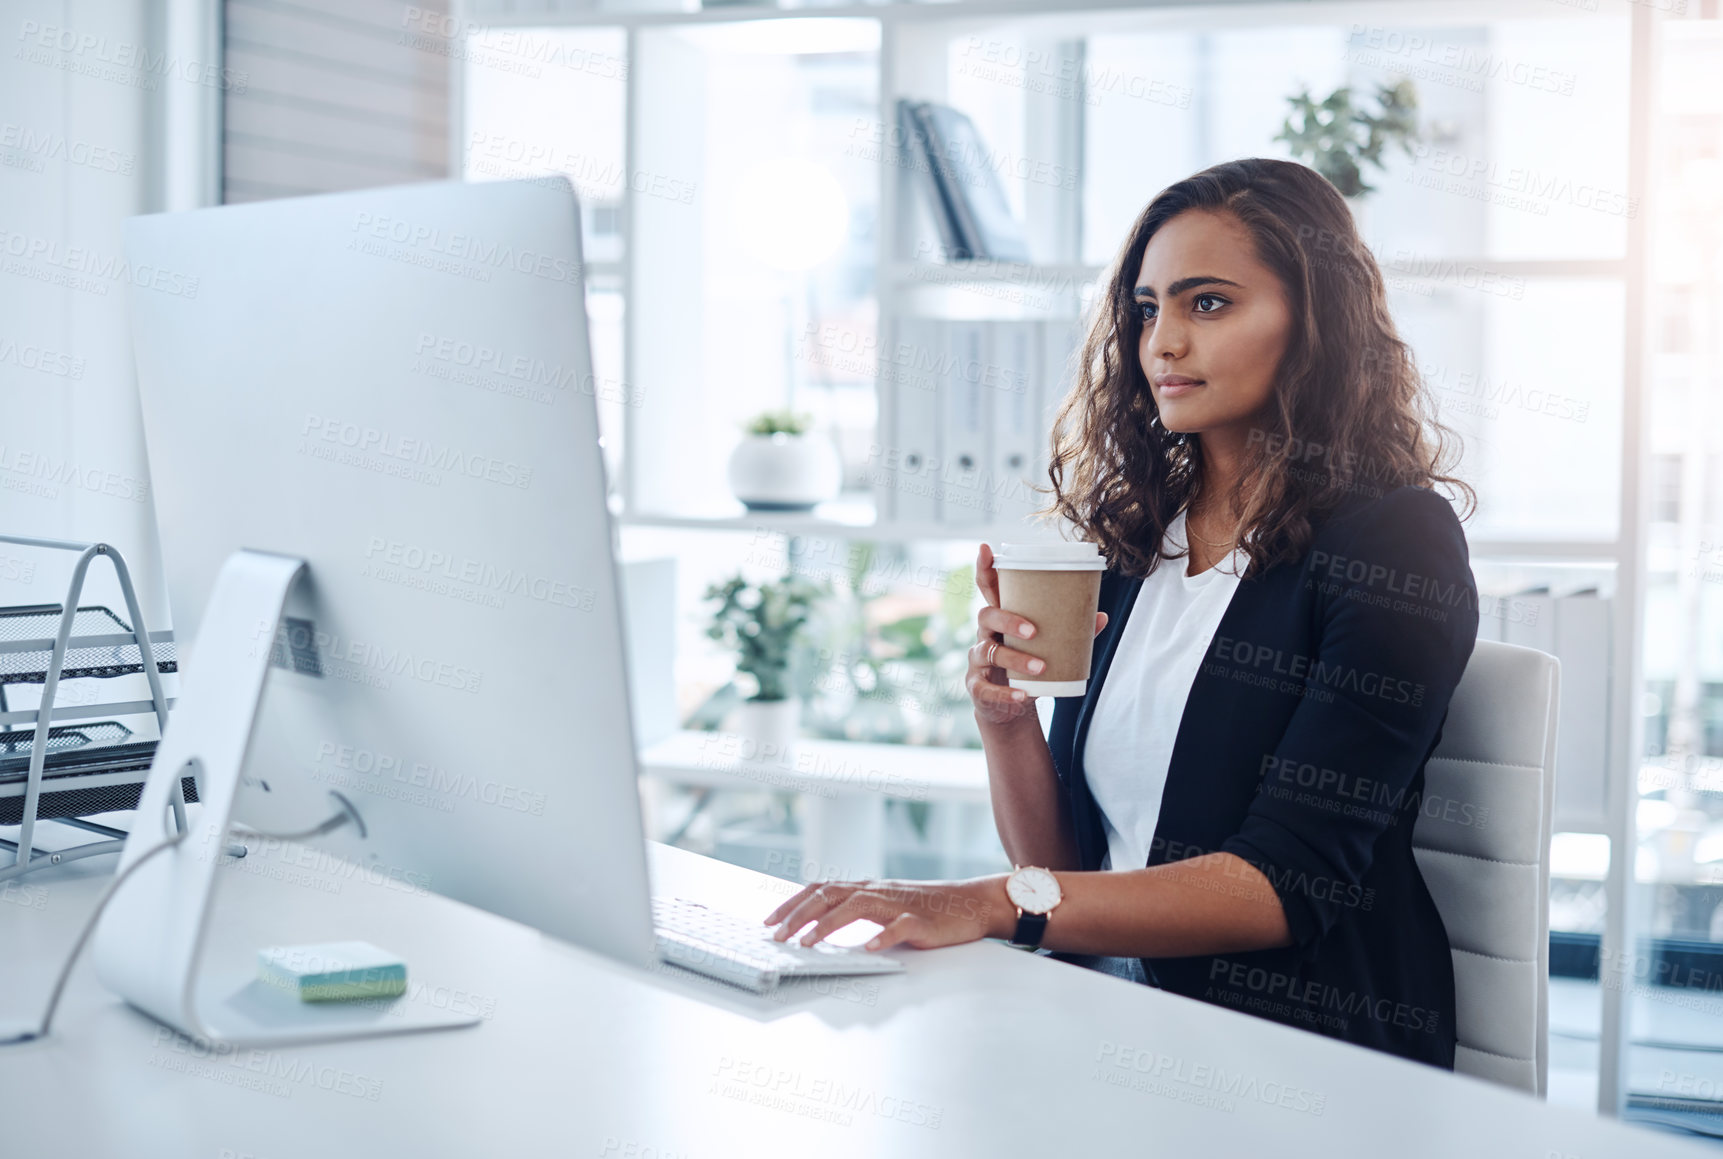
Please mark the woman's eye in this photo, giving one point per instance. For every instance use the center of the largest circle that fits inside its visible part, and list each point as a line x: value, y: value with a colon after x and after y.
x: 1147, y: 308
x: 1216, y: 298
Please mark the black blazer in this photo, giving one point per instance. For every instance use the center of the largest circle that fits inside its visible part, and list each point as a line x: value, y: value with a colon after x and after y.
x: 1302, y: 751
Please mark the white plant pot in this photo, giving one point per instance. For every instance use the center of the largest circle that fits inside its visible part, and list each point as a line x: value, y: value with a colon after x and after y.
x: 766, y: 730
x: 784, y: 472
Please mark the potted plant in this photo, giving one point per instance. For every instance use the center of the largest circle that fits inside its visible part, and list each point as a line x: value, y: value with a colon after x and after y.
x: 763, y: 623
x: 1337, y: 136
x: 780, y: 466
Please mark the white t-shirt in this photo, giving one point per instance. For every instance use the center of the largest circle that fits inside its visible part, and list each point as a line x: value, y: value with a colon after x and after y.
x: 1142, y: 699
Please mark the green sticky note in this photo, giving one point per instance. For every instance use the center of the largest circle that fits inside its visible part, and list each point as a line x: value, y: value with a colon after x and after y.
x: 333, y: 971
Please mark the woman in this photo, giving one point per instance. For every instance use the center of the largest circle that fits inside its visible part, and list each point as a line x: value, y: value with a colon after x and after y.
x: 1227, y: 812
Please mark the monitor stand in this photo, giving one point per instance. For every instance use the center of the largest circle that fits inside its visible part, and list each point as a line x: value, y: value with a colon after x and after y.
x: 150, y: 940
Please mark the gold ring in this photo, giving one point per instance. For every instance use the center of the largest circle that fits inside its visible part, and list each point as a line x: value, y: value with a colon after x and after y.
x: 992, y: 651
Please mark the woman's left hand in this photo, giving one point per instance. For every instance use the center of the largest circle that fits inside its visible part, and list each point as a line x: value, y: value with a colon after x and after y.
x: 922, y: 914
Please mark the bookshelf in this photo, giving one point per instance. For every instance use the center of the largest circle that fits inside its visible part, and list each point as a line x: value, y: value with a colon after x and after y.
x: 961, y: 55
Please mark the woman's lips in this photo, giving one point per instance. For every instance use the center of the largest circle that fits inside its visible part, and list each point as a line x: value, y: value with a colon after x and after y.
x: 1175, y: 389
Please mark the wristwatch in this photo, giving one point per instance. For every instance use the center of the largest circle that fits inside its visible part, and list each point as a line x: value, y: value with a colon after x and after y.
x: 1034, y: 891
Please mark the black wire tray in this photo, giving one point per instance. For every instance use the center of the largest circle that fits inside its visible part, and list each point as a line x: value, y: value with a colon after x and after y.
x: 123, y: 763
x: 106, y: 656
x: 62, y: 738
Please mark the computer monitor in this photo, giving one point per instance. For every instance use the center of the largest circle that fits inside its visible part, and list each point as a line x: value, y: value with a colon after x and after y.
x: 395, y: 386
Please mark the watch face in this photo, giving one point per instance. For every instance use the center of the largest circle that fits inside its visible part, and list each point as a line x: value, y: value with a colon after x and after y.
x: 1033, y: 889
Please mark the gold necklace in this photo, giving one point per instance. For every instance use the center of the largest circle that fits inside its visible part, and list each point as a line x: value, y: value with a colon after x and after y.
x: 1207, y: 543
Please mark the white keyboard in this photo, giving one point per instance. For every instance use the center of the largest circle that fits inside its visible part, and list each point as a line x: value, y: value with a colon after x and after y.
x: 742, y: 951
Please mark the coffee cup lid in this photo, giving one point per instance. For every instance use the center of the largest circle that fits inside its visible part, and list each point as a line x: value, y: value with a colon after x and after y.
x: 1049, y: 556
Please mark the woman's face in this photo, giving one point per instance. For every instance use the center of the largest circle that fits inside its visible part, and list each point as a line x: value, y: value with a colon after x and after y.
x: 1215, y: 324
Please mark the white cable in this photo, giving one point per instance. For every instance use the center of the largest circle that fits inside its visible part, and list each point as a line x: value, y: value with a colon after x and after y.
x: 84, y: 936
x: 350, y: 816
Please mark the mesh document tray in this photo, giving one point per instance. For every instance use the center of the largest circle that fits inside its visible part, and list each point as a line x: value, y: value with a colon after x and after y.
x: 75, y: 752
x: 38, y: 625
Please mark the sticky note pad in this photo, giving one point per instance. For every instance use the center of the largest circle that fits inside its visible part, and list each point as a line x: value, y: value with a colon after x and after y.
x: 333, y: 971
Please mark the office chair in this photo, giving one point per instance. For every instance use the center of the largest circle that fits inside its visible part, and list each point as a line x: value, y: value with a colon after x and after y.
x: 1482, y: 841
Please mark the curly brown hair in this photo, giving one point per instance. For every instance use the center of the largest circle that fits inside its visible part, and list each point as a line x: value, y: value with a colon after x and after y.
x: 1349, y: 413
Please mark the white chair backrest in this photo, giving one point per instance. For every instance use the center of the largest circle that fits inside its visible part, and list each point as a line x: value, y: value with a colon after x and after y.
x: 1482, y: 842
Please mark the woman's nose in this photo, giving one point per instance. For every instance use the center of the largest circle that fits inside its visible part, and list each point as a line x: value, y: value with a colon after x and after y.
x: 1166, y: 339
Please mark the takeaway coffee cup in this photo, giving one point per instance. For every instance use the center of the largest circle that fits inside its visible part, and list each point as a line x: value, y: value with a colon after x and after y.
x: 1056, y: 587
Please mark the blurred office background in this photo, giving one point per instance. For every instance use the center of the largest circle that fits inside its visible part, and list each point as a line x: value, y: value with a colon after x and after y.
x: 757, y: 240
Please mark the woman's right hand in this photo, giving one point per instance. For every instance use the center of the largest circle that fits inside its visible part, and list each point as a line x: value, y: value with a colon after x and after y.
x: 991, y: 661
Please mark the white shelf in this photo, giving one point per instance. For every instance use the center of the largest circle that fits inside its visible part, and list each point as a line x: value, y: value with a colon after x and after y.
x: 850, y: 518
x: 824, y: 768
x: 888, y: 531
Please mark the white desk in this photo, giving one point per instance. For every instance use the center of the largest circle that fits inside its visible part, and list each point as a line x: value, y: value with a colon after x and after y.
x: 982, y: 1050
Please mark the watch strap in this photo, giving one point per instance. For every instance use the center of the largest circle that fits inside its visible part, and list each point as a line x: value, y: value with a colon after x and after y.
x: 1030, y: 929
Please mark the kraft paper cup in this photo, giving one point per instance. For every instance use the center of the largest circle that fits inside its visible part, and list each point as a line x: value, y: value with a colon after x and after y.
x: 1057, y: 587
